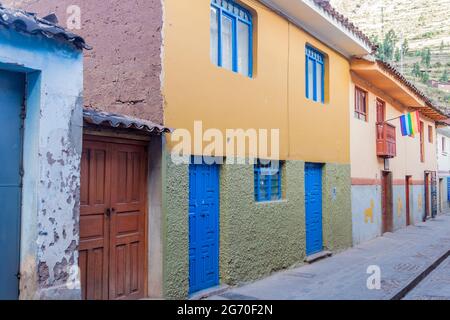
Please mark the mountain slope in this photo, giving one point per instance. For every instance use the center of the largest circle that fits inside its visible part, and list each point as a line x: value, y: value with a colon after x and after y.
x: 425, y: 24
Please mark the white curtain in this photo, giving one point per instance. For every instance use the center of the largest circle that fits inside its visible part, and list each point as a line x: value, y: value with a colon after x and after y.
x: 214, y: 37
x: 310, y: 79
x: 243, y: 48
x: 319, y: 83
x: 227, y: 43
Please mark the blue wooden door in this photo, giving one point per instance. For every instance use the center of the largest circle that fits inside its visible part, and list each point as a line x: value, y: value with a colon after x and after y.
x: 313, y: 204
x: 203, y: 227
x: 12, y: 87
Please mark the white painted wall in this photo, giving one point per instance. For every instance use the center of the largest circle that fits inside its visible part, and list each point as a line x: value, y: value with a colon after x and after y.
x: 443, y: 155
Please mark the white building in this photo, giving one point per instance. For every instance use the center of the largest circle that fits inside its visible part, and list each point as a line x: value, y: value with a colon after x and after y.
x: 443, y: 154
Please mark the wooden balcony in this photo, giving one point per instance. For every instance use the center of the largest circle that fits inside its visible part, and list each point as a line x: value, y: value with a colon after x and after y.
x: 386, y: 142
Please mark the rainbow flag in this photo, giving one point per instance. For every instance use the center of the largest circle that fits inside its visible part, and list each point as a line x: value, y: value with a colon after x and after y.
x: 410, y: 123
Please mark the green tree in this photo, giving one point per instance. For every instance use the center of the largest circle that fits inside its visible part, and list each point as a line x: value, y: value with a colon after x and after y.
x: 424, y: 77
x: 426, y: 57
x: 416, y: 70
x: 444, y: 77
x: 389, y: 42
x: 405, y: 47
x: 398, y: 55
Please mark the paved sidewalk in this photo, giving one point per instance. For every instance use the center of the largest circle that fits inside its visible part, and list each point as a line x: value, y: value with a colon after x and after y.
x: 403, y: 257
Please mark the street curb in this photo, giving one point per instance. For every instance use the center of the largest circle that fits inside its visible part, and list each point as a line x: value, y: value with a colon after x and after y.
x: 405, y: 290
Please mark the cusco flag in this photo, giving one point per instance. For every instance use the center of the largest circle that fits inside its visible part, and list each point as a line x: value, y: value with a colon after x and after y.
x: 410, y: 123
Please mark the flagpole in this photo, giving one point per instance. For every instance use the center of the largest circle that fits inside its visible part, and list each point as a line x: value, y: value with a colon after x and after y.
x: 394, y: 118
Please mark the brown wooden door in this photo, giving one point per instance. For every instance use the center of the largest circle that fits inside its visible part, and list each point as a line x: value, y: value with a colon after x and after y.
x: 94, y: 224
x: 386, y: 202
x: 127, y: 235
x: 113, y: 219
x: 407, y: 190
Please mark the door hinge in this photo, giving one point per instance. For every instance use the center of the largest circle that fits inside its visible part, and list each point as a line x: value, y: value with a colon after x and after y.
x: 18, y: 275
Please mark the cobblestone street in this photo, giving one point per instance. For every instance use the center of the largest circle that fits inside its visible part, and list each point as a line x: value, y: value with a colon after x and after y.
x: 404, y: 258
x: 434, y: 287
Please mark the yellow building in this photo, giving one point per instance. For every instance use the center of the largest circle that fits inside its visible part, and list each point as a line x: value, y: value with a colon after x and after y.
x: 255, y: 65
x: 393, y: 176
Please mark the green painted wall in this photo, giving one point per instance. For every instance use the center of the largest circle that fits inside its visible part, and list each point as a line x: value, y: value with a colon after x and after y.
x: 256, y: 239
x: 337, y: 207
x: 175, y: 229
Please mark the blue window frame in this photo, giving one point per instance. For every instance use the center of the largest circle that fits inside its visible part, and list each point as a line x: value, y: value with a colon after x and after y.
x: 448, y: 188
x: 315, y: 75
x: 231, y: 37
x: 268, y: 181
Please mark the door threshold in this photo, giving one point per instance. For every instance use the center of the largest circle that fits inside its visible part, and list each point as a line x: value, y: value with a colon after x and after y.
x: 206, y: 293
x: 318, y: 256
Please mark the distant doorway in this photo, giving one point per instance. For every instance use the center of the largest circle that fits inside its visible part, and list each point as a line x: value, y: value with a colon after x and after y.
x: 427, y: 196
x: 386, y: 202
x: 408, y: 197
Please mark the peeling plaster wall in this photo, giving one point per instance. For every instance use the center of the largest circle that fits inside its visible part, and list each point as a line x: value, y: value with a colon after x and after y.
x: 52, y: 152
x: 122, y: 72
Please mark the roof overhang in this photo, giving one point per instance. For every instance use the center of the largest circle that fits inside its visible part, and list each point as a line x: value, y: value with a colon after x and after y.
x: 117, y: 121
x: 321, y: 24
x: 382, y: 77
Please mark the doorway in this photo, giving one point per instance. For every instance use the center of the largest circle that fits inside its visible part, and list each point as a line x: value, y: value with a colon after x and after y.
x: 387, y: 202
x: 408, y: 197
x: 313, y: 206
x: 113, y: 219
x: 427, y: 196
x: 203, y: 227
x: 12, y: 95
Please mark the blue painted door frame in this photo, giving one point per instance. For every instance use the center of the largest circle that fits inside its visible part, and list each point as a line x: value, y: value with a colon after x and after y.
x: 203, y: 227
x: 313, y: 205
x: 12, y: 89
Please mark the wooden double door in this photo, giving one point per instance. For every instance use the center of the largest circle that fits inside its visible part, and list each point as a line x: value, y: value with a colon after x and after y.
x: 112, y: 252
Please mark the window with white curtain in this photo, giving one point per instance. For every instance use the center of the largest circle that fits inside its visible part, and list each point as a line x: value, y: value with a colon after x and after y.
x: 315, y: 74
x: 231, y: 37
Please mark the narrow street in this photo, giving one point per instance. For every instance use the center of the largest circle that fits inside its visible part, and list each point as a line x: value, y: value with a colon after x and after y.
x: 403, y: 257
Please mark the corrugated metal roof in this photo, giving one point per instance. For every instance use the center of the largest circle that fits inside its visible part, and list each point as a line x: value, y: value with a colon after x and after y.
x: 28, y: 22
x: 92, y: 116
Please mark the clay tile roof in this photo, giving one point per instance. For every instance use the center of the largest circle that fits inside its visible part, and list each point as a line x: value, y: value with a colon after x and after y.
x: 96, y: 117
x: 401, y: 78
x: 28, y: 22
x: 345, y: 22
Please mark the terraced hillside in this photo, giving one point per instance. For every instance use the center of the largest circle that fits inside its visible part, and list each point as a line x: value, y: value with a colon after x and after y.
x: 425, y: 24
